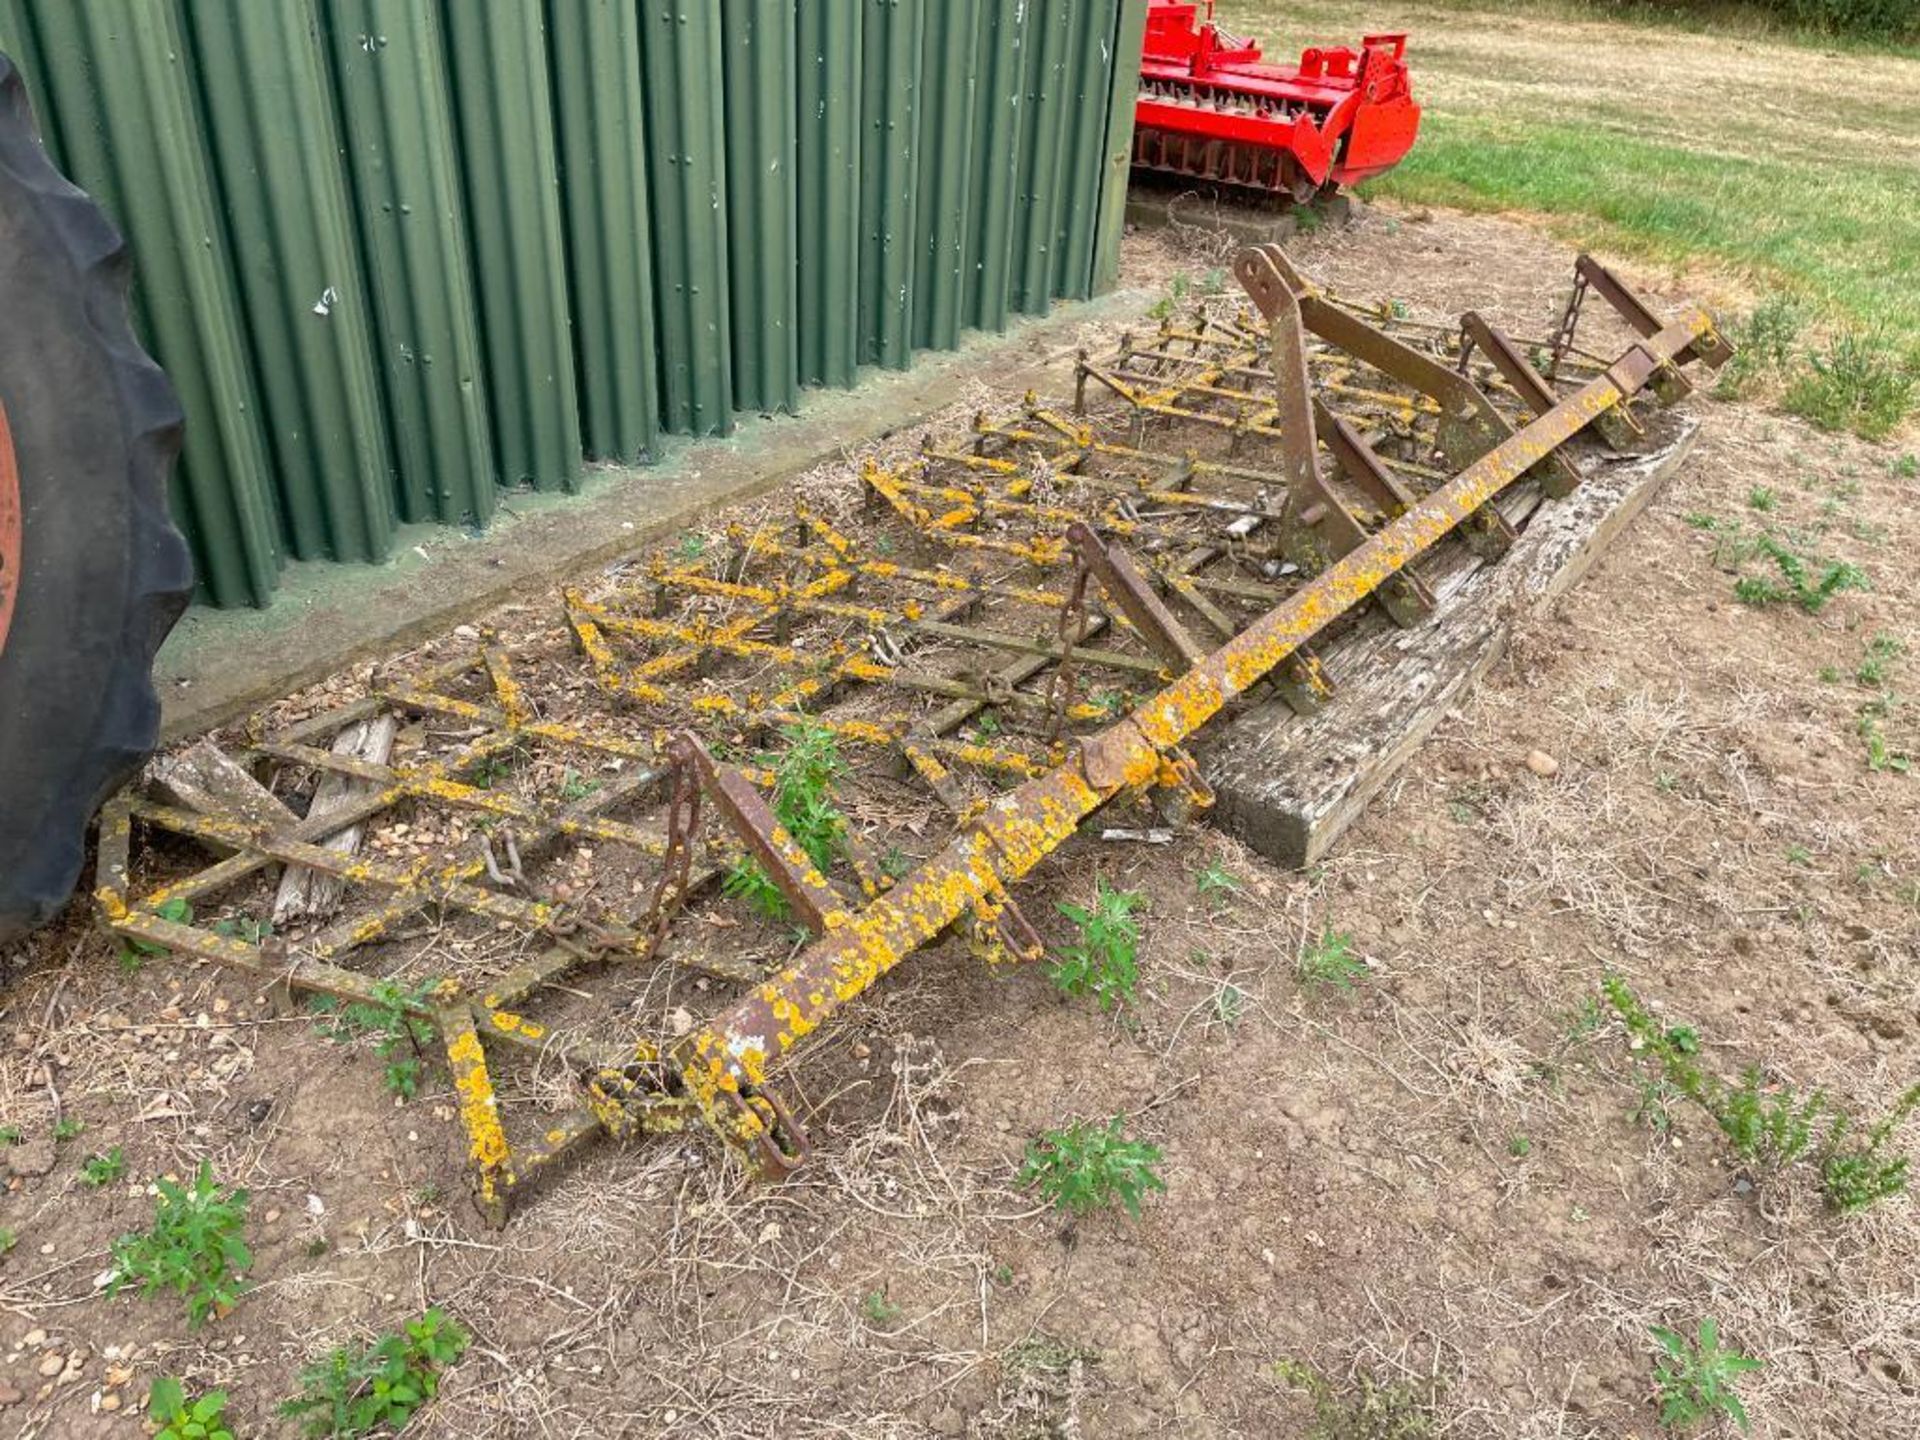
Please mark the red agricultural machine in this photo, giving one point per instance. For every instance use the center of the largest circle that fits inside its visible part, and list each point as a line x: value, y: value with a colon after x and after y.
x: 1212, y: 110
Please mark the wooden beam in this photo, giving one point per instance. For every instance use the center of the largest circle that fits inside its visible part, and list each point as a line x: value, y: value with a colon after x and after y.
x: 206, y: 780
x: 308, y: 895
x: 1289, y: 786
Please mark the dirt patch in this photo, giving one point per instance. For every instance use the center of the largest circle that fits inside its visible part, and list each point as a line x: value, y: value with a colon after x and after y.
x: 1435, y: 1178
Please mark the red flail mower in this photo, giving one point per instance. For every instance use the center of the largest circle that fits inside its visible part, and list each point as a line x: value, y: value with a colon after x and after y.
x: 1210, y: 109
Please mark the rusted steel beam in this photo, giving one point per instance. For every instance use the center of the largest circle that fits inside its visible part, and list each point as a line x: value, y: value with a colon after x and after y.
x: 1712, y: 348
x: 1358, y: 462
x: 815, y: 902
x: 1532, y: 388
x: 1136, y: 599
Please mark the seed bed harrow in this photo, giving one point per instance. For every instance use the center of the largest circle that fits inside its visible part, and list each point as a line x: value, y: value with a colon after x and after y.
x: 1018, y: 626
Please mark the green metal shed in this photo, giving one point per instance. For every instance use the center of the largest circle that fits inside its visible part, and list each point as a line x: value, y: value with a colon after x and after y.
x: 399, y: 255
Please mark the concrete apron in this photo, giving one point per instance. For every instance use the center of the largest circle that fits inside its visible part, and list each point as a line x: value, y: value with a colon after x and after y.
x: 1201, y: 207
x: 219, y: 664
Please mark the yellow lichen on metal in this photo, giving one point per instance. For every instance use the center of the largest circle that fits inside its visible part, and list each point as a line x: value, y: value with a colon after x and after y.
x: 937, y: 668
x: 479, y: 1106
x: 1019, y: 830
x: 512, y: 1024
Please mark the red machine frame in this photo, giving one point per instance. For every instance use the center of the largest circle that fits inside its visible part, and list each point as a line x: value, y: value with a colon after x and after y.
x: 1211, y: 109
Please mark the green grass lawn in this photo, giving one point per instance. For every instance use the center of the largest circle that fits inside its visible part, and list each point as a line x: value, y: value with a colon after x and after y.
x: 1790, y: 169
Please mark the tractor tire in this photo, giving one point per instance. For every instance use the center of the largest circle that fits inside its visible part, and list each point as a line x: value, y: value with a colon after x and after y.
x: 91, y: 569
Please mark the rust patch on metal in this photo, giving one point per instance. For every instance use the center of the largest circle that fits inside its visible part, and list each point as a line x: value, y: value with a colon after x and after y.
x: 12, y: 528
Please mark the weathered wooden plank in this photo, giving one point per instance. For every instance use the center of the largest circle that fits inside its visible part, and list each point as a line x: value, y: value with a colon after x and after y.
x: 1290, y: 786
x: 312, y: 895
x: 208, y: 781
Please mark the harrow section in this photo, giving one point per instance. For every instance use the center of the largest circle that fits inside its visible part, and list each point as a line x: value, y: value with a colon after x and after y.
x: 585, y: 863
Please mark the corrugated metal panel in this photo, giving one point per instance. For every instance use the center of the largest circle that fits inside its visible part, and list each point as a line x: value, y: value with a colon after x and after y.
x: 1000, y: 55
x: 762, y: 259
x: 949, y: 42
x: 1130, y: 29
x: 889, y: 89
x: 115, y: 83
x: 686, y: 159
x: 828, y: 145
x: 1090, y: 63
x: 276, y: 151
x: 17, y: 40
x: 600, y: 118
x: 1046, y: 96
x: 503, y: 116
x: 540, y: 229
x: 389, y: 68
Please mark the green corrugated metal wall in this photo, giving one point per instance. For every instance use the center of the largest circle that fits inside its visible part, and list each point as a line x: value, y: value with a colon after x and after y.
x: 397, y: 255
x: 828, y: 140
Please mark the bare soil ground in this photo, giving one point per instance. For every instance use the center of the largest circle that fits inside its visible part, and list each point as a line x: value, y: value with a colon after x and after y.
x: 1434, y: 1181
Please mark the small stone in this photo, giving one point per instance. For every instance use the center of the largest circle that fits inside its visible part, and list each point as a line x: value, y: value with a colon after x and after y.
x: 109, y: 1402
x: 258, y: 1111
x: 1542, y: 764
x: 272, y: 1215
x: 34, y: 1339
x: 51, y: 1364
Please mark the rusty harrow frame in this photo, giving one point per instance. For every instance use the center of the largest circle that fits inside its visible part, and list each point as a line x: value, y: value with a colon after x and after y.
x: 1019, y: 626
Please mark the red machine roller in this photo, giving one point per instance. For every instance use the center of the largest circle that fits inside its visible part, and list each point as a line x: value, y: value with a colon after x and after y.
x: 1209, y: 109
